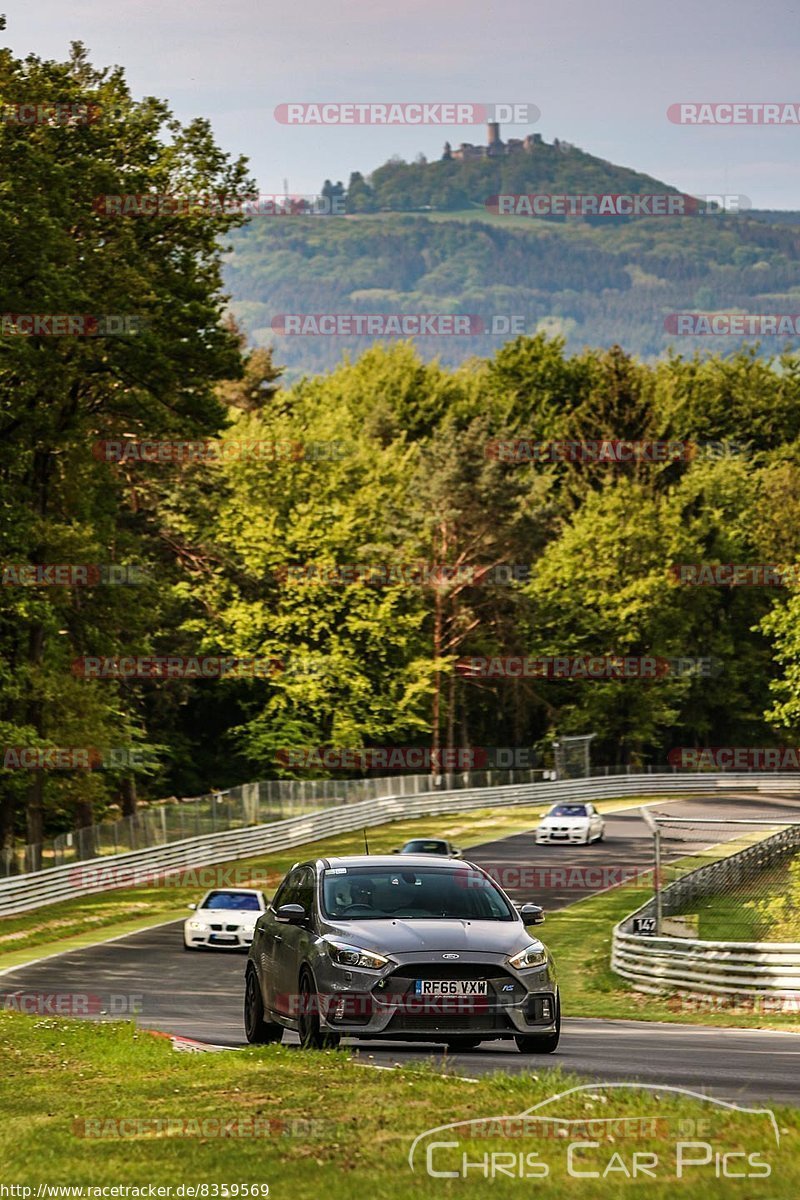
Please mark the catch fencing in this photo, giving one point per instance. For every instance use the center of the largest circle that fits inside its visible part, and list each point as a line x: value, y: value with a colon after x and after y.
x: 743, y: 969
x: 32, y: 890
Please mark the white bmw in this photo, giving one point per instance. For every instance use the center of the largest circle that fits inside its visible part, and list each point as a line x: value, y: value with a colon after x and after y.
x: 571, y: 823
x: 224, y: 918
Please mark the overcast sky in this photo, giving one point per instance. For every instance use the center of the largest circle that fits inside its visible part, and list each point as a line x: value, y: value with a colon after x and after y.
x: 602, y: 74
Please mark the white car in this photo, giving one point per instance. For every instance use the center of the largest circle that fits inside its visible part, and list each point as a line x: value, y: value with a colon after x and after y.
x: 225, y: 917
x: 571, y: 823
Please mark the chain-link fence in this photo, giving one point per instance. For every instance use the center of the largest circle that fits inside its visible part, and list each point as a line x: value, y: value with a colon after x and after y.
x: 235, y: 808
x: 734, y: 880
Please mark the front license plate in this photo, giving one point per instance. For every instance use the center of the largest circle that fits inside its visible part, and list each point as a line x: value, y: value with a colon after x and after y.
x: 222, y: 937
x: 451, y: 987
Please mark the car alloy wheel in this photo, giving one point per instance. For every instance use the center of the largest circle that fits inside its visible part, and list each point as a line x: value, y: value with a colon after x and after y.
x: 257, y: 1031
x: 312, y: 1036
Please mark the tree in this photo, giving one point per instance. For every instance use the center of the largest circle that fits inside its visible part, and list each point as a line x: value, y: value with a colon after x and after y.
x: 62, y: 394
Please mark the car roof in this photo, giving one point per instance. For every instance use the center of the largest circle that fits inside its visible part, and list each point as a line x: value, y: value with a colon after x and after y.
x: 390, y: 860
x: 438, y: 840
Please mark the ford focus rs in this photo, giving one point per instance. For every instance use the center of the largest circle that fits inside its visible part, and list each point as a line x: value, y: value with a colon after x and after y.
x: 408, y: 949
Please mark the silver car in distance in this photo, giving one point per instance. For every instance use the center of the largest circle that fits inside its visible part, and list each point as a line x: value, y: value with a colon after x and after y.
x: 407, y: 948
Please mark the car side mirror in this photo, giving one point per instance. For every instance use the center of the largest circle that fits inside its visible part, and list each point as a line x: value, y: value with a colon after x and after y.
x: 192, y: 906
x: 532, y: 914
x: 291, y: 914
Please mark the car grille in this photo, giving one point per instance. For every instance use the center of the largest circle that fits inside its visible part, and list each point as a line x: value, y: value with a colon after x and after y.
x: 405, y: 1023
x: 449, y: 970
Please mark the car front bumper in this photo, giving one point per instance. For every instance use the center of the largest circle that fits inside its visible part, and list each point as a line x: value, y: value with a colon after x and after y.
x: 372, y: 1004
x: 225, y: 938
x: 569, y: 837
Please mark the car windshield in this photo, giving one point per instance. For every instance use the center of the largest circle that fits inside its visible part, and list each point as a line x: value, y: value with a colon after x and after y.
x: 568, y: 810
x: 422, y: 847
x: 245, y: 901
x: 383, y: 893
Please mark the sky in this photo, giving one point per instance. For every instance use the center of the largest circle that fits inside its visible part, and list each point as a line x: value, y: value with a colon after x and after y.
x: 602, y: 75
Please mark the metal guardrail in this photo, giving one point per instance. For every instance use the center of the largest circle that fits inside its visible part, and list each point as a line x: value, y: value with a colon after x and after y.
x: 657, y: 963
x: 21, y: 893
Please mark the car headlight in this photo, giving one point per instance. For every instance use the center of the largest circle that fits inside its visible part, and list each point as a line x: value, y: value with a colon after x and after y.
x: 354, y: 956
x: 197, y: 925
x: 534, y: 955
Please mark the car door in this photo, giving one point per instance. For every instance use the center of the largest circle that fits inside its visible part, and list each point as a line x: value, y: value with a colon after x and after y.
x: 291, y: 941
x: 265, y: 943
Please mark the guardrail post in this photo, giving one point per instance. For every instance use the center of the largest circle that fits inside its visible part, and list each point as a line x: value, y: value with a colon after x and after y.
x: 656, y: 832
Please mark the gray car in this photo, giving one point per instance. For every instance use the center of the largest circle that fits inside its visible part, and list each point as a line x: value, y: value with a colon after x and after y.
x: 417, y: 949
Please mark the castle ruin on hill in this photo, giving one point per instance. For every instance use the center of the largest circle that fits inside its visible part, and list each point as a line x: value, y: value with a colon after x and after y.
x: 496, y: 148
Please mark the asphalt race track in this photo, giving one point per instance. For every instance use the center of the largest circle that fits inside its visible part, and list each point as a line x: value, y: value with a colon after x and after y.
x: 199, y: 995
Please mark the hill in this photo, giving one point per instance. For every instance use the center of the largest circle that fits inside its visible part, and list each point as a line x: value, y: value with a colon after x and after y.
x: 427, y: 238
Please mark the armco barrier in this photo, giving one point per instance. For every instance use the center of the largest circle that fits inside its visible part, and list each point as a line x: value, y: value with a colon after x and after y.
x: 658, y: 964
x: 23, y: 892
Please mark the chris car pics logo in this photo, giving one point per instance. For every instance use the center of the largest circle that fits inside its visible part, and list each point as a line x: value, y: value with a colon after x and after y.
x: 708, y: 1140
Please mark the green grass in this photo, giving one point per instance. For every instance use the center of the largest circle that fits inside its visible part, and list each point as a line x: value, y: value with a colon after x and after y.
x: 88, y: 919
x: 329, y: 1126
x: 730, y: 916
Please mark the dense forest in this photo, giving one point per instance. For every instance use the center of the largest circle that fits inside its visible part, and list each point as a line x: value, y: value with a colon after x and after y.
x: 233, y: 543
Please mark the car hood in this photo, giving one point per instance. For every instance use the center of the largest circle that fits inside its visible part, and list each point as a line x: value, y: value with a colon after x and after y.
x: 570, y: 822
x: 227, y: 914
x: 408, y: 936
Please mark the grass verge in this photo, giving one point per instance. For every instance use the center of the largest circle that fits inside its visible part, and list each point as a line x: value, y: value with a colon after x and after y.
x: 319, y: 1123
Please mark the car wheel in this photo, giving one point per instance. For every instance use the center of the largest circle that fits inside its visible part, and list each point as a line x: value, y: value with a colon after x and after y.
x: 463, y: 1043
x: 257, y: 1031
x: 542, y: 1043
x: 312, y: 1036
x: 601, y: 835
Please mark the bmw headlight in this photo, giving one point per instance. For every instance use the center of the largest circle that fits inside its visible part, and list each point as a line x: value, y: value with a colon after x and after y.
x: 197, y: 925
x: 534, y: 955
x: 354, y: 956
